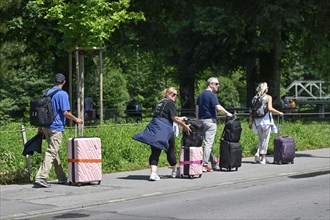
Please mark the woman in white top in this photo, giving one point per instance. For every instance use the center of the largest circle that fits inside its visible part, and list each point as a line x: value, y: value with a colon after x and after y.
x: 263, y: 126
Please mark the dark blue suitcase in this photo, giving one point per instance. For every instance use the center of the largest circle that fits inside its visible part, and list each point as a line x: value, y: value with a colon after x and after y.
x: 284, y: 150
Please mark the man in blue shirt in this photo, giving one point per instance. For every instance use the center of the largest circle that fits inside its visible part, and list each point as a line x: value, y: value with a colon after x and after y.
x: 53, y: 134
x: 207, y: 107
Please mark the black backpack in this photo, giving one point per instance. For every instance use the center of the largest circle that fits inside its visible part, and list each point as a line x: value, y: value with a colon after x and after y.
x: 259, y: 106
x: 232, y: 130
x: 41, y: 110
x: 196, y: 137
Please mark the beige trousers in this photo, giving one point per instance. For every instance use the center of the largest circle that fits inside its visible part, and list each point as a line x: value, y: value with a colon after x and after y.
x: 52, y: 156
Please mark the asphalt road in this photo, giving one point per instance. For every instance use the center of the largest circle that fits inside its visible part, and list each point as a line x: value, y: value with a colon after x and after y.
x: 297, y: 191
x: 293, y: 197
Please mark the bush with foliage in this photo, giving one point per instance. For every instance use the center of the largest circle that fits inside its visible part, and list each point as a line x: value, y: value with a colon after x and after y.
x: 121, y: 153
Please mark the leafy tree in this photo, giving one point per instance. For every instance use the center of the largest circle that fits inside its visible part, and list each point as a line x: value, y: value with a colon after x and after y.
x: 115, y: 93
x: 18, y: 89
x: 46, y: 29
x: 227, y: 35
x: 181, y: 43
x: 313, y: 40
x: 87, y: 22
x: 228, y: 94
x: 146, y: 73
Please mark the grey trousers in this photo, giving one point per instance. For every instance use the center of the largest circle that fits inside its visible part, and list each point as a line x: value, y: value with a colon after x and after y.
x: 263, y: 141
x: 210, y: 128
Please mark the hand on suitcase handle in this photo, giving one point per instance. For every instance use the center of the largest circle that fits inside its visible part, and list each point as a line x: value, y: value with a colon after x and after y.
x: 233, y: 117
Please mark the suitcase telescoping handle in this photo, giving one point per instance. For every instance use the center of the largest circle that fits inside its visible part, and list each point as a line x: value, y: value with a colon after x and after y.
x: 78, y: 131
x: 75, y: 130
x: 281, y: 125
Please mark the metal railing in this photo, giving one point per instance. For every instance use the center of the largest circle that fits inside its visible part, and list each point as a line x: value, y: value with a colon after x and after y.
x: 125, y: 116
x: 305, y: 90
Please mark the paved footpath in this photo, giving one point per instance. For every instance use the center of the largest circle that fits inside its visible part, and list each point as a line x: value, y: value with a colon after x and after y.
x: 23, y: 201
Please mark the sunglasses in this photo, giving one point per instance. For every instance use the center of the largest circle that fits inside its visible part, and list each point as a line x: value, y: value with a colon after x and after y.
x: 217, y: 84
x: 174, y: 94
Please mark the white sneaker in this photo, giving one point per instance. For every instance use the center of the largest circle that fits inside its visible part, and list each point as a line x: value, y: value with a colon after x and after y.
x: 257, y: 157
x: 216, y: 167
x: 263, y: 161
x: 154, y: 177
x: 174, y: 174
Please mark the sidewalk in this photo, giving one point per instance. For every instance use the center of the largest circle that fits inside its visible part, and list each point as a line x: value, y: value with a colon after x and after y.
x: 23, y: 201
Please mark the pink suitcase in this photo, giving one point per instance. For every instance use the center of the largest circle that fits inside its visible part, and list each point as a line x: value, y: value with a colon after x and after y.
x: 191, y: 160
x: 84, y: 160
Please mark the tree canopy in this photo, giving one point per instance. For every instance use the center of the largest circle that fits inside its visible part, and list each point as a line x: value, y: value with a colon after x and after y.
x: 154, y: 44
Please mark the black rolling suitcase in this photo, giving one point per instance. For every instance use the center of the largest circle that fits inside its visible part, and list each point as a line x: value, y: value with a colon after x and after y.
x: 230, y: 147
x: 230, y: 155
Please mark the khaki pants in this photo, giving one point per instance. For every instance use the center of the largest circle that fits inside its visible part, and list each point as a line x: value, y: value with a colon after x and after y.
x: 54, y: 140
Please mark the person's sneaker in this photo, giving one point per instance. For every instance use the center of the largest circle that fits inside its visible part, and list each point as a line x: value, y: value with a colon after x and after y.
x: 174, y: 174
x: 154, y: 177
x: 62, y: 181
x: 257, y: 158
x: 41, y: 184
x: 216, y: 167
x: 263, y: 161
x: 206, y: 168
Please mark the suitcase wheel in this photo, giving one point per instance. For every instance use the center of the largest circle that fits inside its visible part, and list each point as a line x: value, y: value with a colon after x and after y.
x: 200, y: 175
x: 79, y: 184
x: 99, y: 182
x: 292, y: 162
x: 277, y: 162
x: 228, y: 168
x: 236, y: 168
x: 191, y: 176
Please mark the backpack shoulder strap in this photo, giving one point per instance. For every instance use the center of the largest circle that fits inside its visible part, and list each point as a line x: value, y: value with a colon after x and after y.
x: 165, y: 101
x: 52, y: 93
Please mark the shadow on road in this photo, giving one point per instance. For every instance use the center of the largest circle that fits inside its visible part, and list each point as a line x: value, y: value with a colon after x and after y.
x: 308, y: 155
x: 135, y: 177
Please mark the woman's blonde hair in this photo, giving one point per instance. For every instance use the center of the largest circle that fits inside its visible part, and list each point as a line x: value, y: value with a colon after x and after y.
x: 262, y: 87
x: 167, y: 91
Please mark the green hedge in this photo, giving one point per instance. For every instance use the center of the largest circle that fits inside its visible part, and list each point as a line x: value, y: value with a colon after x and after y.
x: 121, y: 153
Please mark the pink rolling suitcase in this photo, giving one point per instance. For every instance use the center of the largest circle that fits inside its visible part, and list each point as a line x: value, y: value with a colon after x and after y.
x: 84, y: 160
x: 191, y: 160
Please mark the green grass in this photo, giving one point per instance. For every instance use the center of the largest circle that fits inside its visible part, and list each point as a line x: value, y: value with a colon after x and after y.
x: 121, y: 153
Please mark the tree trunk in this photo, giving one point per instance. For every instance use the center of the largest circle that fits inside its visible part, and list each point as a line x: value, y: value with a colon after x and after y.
x: 251, y: 80
x: 266, y: 69
x: 277, y: 69
x: 187, y: 93
x: 270, y: 69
